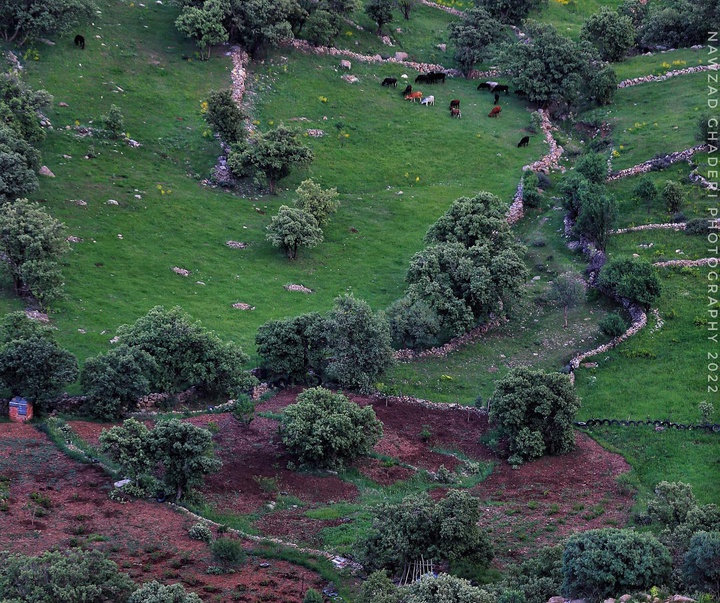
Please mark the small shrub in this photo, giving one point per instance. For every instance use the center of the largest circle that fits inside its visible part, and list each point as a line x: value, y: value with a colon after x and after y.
x: 698, y: 226
x: 673, y: 196
x: 445, y: 476
x: 312, y: 596
x: 200, y: 532
x: 244, y: 409
x: 612, y: 325
x: 113, y: 121
x: 228, y: 551
x: 701, y: 569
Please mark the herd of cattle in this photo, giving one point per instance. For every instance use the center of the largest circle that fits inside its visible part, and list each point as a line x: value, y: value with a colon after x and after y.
x: 435, y: 77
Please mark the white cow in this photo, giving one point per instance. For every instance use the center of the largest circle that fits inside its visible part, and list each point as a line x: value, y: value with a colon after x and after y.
x: 428, y: 100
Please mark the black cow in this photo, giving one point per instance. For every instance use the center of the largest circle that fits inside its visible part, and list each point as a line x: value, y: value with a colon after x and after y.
x: 520, y: 93
x: 496, y: 99
x: 524, y: 141
x: 80, y: 41
x: 423, y: 78
x: 501, y: 88
x: 408, y: 90
x: 390, y: 81
x: 436, y: 76
x: 484, y: 86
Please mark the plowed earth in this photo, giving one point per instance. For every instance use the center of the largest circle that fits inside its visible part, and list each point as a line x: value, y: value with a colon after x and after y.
x: 524, y: 508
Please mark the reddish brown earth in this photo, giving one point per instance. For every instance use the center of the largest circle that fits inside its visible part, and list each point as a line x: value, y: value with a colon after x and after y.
x: 524, y: 508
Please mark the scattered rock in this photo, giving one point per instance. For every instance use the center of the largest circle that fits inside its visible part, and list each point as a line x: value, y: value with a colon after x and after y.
x: 63, y: 104
x: 67, y: 156
x: 45, y: 171
x: 236, y: 244
x: 401, y: 56
x: 299, y: 288
x: 180, y: 271
x: 315, y: 133
x: 350, y: 79
x: 37, y: 315
x: 79, y: 202
x: 111, y: 202
x: 74, y: 239
x: 242, y: 306
x: 442, y: 47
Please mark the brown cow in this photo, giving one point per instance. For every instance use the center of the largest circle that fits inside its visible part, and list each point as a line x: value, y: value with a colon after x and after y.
x: 455, y: 112
x: 495, y: 111
x: 413, y: 96
x: 455, y: 103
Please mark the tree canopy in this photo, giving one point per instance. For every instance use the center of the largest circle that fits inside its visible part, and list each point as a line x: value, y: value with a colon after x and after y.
x: 205, y: 24
x: 293, y: 228
x: 636, y: 280
x: 611, y: 33
x: 473, y: 37
x: 23, y: 20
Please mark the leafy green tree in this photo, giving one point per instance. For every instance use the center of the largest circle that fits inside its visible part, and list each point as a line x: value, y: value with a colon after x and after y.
x: 646, y: 192
x: 358, y: 344
x: 380, y: 11
x: 406, y: 7
x: 567, y: 291
x: 636, y: 10
x: 637, y: 280
x: 465, y: 285
x: 290, y: 348
x: 12, y: 142
x: 29, y: 234
x: 129, y: 446
x: 260, y: 23
x: 509, y: 11
x: 313, y: 596
x: 673, y: 196
x: 204, y: 24
x: 574, y: 189
x: 598, y: 216
x: 561, y: 79
x: 343, y: 8
x: 16, y: 178
x: 603, y: 563
x: 328, y: 430
x: 701, y: 569
x: 317, y: 201
x: 23, y: 20
x: 612, y: 325
x: 115, y: 380
x: 671, y: 503
x: 603, y: 86
x: 593, y: 166
x: 535, y: 410
x: 473, y: 36
x: 611, y: 33
x: 539, y: 577
x: 378, y: 588
x: 272, y: 154
x: 19, y: 105
x: 678, y: 23
x: 225, y: 117
x: 186, y: 354
x: 114, y: 121
x: 17, y: 325
x: 69, y: 576
x: 293, y: 228
x: 413, y: 324
x: 707, y: 126
x: 36, y: 368
x: 185, y: 452
x: 444, y: 589
x: 154, y: 592
x: 322, y: 27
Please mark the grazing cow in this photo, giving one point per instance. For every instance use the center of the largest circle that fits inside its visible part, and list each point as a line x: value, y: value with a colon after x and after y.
x: 436, y: 76
x: 455, y: 112
x: 454, y: 104
x: 408, y: 90
x: 428, y: 100
x: 484, y: 86
x: 80, y: 41
x: 423, y: 78
x: 496, y: 99
x: 345, y: 64
x: 501, y: 88
x: 390, y: 81
x: 413, y: 96
x: 495, y: 112
x: 520, y: 93
x: 524, y: 141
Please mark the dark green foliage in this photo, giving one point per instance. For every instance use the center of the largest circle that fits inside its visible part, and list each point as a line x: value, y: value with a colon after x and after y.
x: 113, y: 121
x: 16, y: 177
x: 316, y: 201
x: 612, y: 325
x: 19, y: 105
x: 129, y: 446
x: 413, y: 324
x: 561, y: 79
x: 115, y: 380
x: 444, y: 589
x: 12, y: 142
x: 672, y: 196
x: 646, y: 191
x: 611, y: 33
x: 228, y: 551
x: 272, y: 154
x: 637, y: 280
x: 473, y: 36
x: 204, y: 24
x: 31, y: 242
x: 535, y: 410
x: 36, y: 368
x: 538, y: 578
x: 358, y: 348
x: 259, y: 23
x: 293, y: 228
x: 418, y: 527
x: 225, y: 117
x: 698, y: 226
x: 707, y: 123
x: 70, y: 576
x: 678, y: 23
x: 154, y: 592
x: 605, y: 563
x: 186, y: 354
x: 378, y: 588
x: 312, y: 596
x: 593, y: 167
x: 509, y: 11
x: 244, y: 409
x: 321, y: 28
x: 380, y: 11
x: 289, y: 348
x: 636, y: 10
x: 602, y: 87
x: 328, y: 430
x: 671, y: 503
x: 185, y: 453
x: 701, y: 569
x: 574, y: 189
x: 23, y: 20
x: 17, y: 325
x: 598, y: 216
